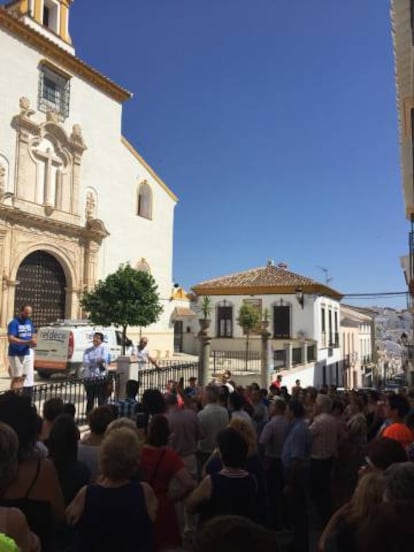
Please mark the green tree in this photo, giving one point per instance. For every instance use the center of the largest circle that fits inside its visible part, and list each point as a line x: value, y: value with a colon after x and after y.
x: 125, y: 298
x: 248, y: 319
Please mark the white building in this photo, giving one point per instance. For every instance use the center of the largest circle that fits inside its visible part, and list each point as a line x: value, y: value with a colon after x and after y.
x: 357, y: 347
x: 76, y: 198
x: 304, y: 318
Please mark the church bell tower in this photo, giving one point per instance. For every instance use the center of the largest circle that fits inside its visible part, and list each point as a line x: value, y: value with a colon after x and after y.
x: 51, y: 17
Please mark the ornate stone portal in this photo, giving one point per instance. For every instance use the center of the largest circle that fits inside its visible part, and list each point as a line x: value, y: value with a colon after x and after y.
x: 48, y: 165
x: 46, y: 214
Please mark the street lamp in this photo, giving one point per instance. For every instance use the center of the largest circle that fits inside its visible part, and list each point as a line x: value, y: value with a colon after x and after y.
x: 299, y: 296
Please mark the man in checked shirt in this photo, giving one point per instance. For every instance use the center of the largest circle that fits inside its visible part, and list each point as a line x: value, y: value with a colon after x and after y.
x: 127, y: 408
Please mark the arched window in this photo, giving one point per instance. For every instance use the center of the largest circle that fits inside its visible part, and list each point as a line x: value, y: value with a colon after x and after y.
x: 144, y: 201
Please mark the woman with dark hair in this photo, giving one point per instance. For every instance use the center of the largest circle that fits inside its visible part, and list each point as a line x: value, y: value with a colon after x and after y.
x: 73, y: 475
x: 98, y: 419
x: 153, y: 403
x: 15, y: 534
x: 159, y: 466
x: 229, y: 533
x: 232, y: 490
x: 63, y: 451
x: 253, y: 465
x: 236, y: 407
x: 35, y: 490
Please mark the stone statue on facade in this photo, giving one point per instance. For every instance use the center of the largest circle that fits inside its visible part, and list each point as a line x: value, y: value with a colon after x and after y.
x: 24, y: 104
x: 90, y: 209
x: 2, y: 181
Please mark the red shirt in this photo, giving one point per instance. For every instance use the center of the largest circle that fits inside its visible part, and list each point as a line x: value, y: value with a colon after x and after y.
x: 399, y: 432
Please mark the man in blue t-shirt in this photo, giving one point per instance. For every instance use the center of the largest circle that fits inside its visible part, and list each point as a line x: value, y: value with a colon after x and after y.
x: 22, y: 338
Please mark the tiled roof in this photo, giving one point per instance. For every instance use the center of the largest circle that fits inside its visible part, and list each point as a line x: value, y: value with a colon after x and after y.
x: 271, y: 278
x: 263, y: 276
x: 184, y: 312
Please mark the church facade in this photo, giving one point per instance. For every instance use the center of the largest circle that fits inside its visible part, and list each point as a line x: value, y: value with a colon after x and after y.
x: 76, y: 198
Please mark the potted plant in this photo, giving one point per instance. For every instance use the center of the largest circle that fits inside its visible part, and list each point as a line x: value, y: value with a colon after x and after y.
x: 206, y: 308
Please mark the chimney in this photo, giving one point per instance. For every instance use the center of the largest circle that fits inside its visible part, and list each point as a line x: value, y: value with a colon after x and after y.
x: 270, y: 262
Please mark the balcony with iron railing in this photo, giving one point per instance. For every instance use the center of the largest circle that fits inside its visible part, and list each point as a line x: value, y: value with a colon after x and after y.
x: 334, y: 340
x: 366, y: 359
x: 297, y: 356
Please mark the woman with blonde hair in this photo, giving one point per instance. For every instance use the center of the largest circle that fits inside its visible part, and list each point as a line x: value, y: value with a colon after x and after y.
x: 246, y: 429
x: 341, y: 531
x: 122, y: 423
x: 14, y: 531
x: 111, y: 513
x: 253, y: 463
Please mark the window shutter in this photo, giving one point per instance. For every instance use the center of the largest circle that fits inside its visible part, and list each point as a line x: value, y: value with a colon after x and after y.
x: 281, y: 322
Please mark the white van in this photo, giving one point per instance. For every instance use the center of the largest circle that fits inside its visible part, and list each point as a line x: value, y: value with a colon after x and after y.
x: 61, y: 345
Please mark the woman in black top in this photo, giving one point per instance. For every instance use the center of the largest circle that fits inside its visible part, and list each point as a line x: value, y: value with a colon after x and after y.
x: 232, y: 490
x: 35, y: 490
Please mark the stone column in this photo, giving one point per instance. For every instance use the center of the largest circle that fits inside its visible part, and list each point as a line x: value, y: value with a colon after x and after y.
x: 90, y: 263
x: 204, y: 356
x: 126, y: 370
x: 304, y: 353
x: 288, y: 347
x: 59, y: 190
x: 3, y: 279
x: 76, y: 179
x: 264, y: 373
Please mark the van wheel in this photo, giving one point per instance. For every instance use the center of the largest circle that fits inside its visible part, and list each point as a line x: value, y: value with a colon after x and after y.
x: 44, y: 374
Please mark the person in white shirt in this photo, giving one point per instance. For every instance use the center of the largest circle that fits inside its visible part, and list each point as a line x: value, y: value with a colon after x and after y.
x: 143, y: 356
x: 95, y: 365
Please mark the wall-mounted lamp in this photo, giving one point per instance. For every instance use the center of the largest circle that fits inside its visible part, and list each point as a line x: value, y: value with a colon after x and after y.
x: 299, y: 296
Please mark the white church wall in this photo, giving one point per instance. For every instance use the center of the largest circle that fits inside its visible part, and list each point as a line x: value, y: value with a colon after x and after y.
x: 107, y: 167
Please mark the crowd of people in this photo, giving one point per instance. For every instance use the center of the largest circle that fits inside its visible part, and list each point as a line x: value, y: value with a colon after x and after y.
x: 218, y: 467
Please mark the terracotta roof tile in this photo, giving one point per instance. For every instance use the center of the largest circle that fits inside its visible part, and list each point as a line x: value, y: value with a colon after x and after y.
x: 269, y: 277
x: 184, y: 312
x: 263, y: 276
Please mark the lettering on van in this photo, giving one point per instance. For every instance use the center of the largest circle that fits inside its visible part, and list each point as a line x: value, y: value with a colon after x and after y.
x: 89, y: 337
x: 53, y: 335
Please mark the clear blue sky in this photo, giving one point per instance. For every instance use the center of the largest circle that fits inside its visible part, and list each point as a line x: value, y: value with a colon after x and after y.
x: 275, y: 123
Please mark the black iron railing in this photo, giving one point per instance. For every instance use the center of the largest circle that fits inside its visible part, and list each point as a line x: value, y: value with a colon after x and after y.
x: 279, y: 359
x: 297, y: 357
x: 168, y: 371
x: 311, y: 353
x: 236, y: 361
x: 71, y: 391
x: 74, y: 390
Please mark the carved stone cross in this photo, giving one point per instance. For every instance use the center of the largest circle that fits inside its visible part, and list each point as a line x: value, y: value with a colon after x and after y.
x: 51, y: 160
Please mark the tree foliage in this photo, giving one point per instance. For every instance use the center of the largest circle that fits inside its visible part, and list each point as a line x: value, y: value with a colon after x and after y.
x: 125, y: 298
x: 249, y: 317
